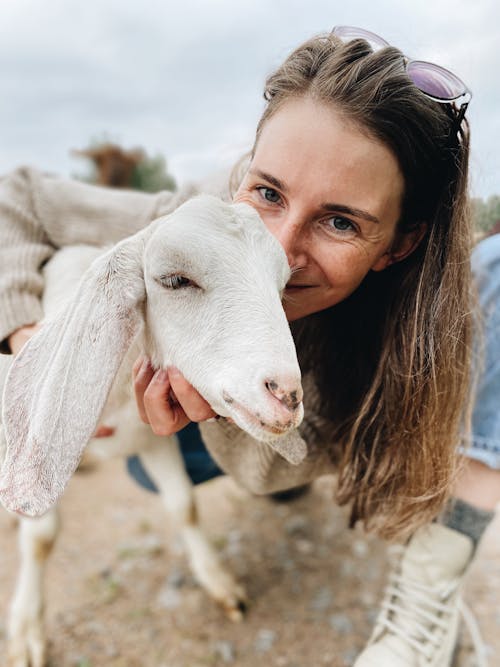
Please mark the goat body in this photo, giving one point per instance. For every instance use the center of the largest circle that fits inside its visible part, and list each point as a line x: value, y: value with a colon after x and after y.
x: 198, y: 289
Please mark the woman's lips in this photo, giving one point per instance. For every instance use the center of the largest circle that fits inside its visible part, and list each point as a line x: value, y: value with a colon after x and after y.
x: 297, y: 291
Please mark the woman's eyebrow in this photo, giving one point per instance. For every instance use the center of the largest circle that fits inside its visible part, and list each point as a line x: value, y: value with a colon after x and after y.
x: 349, y: 210
x: 271, y: 179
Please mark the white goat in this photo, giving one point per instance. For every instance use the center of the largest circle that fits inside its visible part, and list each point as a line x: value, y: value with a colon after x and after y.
x: 198, y: 289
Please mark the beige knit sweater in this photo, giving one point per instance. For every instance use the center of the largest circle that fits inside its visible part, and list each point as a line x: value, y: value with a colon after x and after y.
x: 41, y: 213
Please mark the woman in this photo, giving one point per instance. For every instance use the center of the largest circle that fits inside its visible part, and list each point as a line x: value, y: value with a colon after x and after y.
x: 359, y: 168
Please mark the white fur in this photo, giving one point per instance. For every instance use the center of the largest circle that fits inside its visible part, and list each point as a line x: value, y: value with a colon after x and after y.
x: 228, y: 336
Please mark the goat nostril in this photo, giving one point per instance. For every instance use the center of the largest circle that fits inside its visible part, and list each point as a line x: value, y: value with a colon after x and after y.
x: 290, y: 399
x: 271, y: 386
x: 293, y: 400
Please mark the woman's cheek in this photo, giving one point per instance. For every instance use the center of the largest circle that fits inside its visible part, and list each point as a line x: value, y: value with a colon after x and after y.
x: 345, y: 270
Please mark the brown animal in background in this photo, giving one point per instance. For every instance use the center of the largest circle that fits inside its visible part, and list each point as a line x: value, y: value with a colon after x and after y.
x: 115, y: 166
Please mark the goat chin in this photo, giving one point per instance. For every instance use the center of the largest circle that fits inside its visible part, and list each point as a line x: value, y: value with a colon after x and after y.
x: 267, y: 431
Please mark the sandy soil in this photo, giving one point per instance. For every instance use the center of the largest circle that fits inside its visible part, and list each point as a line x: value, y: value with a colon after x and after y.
x: 120, y: 593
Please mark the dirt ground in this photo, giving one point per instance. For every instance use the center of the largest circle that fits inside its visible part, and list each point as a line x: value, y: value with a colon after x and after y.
x: 120, y: 594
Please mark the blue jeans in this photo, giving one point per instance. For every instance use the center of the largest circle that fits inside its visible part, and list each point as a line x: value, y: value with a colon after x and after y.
x: 485, y: 441
x: 199, y: 464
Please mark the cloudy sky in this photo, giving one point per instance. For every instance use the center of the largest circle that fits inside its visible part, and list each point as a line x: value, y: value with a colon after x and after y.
x: 184, y: 78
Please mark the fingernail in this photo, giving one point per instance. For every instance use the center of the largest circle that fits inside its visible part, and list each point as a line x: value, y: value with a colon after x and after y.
x: 173, y: 371
x: 145, y: 365
x: 161, y: 375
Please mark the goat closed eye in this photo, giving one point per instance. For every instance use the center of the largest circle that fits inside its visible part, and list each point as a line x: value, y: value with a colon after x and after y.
x: 176, y: 281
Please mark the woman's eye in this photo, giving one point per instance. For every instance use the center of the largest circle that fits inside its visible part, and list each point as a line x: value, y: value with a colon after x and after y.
x: 270, y: 195
x: 341, y: 224
x: 176, y: 281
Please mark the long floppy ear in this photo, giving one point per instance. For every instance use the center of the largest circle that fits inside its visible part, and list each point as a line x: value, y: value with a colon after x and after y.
x: 58, y: 384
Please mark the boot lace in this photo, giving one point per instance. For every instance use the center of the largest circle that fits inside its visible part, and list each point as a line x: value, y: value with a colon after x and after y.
x: 426, y: 609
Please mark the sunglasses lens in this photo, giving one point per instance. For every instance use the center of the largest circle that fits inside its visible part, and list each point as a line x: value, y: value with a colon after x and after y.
x: 435, y: 81
x: 347, y: 33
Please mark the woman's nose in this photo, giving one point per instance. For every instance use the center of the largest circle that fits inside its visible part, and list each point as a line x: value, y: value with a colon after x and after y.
x: 290, y: 235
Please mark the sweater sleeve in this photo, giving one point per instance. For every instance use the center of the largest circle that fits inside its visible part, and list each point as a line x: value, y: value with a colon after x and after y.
x: 40, y: 213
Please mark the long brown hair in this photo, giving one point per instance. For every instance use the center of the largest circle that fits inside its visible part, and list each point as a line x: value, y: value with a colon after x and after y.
x: 392, y: 360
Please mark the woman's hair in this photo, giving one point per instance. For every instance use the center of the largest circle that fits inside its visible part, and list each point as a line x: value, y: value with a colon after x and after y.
x: 392, y: 360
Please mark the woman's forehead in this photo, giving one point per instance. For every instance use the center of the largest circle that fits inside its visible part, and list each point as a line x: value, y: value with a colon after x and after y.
x: 311, y: 147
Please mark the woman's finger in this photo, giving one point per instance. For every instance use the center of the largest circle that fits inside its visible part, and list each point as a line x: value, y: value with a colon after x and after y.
x: 137, y: 365
x: 165, y: 415
x: 143, y: 373
x: 104, y: 431
x: 193, y: 404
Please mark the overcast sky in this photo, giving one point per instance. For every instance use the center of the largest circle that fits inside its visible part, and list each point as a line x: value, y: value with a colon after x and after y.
x: 185, y: 78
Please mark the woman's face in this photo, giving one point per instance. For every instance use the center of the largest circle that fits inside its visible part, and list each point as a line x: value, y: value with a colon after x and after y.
x: 331, y: 195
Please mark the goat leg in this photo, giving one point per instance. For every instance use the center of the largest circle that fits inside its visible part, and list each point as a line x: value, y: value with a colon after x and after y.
x: 27, y: 645
x: 165, y: 465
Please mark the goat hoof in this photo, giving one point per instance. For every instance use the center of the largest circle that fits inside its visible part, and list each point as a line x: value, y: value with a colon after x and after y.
x: 29, y: 658
x: 235, y: 608
x: 27, y: 649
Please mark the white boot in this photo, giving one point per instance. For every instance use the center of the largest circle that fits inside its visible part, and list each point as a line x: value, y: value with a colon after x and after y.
x: 418, y: 623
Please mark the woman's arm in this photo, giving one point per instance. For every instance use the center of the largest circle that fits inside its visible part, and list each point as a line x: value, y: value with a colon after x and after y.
x: 40, y: 213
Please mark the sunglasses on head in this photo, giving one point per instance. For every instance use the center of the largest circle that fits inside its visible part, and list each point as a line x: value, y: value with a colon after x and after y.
x: 438, y: 83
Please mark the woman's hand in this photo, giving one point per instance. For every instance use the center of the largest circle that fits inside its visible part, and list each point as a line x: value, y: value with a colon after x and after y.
x: 166, y: 400
x: 21, y: 336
